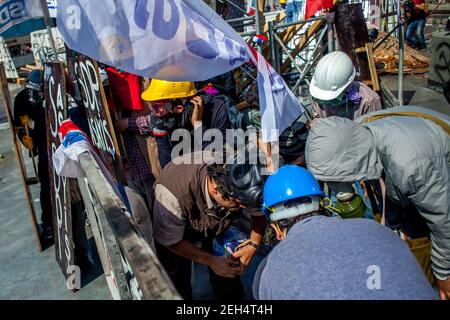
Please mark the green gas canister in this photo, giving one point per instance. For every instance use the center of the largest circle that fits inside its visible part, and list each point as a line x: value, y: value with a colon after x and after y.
x: 350, y: 205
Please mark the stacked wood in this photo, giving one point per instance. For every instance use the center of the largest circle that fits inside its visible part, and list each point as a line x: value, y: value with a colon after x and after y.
x: 386, y: 57
x: 21, y: 81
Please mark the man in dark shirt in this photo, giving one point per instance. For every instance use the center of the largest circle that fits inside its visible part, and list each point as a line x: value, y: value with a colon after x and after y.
x: 177, y: 105
x: 29, y: 112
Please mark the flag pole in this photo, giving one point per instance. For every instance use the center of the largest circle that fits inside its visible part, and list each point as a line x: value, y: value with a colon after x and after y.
x: 46, y: 13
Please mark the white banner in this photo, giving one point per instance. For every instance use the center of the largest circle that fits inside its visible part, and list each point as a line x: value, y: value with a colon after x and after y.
x: 42, y: 49
x: 52, y: 7
x: 5, y: 57
x: 175, y: 40
x: 16, y: 11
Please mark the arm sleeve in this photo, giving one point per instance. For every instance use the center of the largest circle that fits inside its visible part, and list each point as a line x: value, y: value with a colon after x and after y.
x: 220, y: 119
x: 140, y: 125
x: 168, y: 220
x: 19, y: 110
x: 317, y: 112
x: 229, y: 85
x: 432, y: 199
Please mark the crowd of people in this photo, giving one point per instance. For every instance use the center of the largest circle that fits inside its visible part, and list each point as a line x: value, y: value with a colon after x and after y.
x: 358, y: 208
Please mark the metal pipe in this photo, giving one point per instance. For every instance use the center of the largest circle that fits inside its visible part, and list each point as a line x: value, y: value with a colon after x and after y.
x: 235, y: 5
x: 284, y: 25
x: 272, y: 44
x: 401, y: 51
x: 330, y: 35
x: 245, y: 34
x: 386, y: 36
x: 49, y: 30
x: 257, y: 23
x: 240, y: 19
x: 287, y: 52
x: 248, y: 73
x: 311, y: 58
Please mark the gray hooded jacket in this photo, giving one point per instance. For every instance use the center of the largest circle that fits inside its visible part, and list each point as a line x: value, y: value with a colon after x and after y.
x: 414, y: 154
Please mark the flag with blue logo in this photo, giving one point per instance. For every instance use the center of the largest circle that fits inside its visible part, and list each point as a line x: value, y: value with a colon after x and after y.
x: 13, y: 12
x: 174, y: 40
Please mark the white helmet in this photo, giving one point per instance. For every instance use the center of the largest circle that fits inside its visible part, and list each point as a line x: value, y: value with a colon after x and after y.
x: 334, y: 73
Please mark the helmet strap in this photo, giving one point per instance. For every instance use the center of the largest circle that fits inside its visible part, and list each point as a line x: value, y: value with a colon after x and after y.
x: 346, y: 103
x: 327, y: 204
x: 280, y: 232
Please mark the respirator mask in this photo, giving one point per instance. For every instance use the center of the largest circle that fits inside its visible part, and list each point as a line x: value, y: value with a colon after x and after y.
x: 246, y: 183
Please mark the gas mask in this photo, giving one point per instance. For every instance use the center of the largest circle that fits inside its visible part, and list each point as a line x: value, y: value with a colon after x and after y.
x: 170, y: 115
x: 35, y: 97
x: 35, y: 87
x: 163, y: 109
x: 245, y: 183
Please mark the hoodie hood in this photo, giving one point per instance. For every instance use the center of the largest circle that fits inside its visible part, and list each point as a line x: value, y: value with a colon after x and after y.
x: 341, y: 150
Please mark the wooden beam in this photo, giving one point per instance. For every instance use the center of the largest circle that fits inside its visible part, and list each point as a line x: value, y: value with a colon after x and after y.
x: 351, y: 31
x: 372, y: 67
x: 6, y: 98
x: 151, y: 277
x: 304, y: 40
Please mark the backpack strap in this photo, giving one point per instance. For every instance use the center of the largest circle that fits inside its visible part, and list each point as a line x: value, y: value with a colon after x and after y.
x: 444, y: 125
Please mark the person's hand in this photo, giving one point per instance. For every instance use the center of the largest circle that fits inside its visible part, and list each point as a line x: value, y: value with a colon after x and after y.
x: 443, y: 288
x: 27, y: 142
x: 25, y: 120
x: 311, y: 124
x: 245, y: 256
x: 197, y: 113
x: 121, y: 125
x: 364, y: 187
x: 224, y: 267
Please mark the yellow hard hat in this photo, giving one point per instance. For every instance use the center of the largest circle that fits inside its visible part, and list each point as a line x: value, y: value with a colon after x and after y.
x: 164, y: 90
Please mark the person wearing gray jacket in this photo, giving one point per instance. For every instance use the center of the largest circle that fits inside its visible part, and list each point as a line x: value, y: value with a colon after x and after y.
x: 410, y: 155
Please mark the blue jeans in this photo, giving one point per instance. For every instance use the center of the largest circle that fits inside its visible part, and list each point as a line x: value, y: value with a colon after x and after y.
x: 293, y: 10
x: 418, y: 40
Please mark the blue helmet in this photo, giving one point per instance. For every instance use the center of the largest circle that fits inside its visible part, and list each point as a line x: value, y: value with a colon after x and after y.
x: 288, y: 183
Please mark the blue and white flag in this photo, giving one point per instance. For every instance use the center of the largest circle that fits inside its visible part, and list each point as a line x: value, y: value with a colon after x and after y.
x: 176, y: 40
x: 52, y: 6
x: 16, y: 11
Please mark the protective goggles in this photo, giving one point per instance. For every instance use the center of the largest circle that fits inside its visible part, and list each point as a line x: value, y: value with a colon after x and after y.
x: 338, y: 101
x: 292, y: 208
x: 35, y: 96
x: 163, y: 108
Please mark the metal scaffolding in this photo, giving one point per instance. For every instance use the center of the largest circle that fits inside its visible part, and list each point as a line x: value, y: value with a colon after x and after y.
x: 293, y: 48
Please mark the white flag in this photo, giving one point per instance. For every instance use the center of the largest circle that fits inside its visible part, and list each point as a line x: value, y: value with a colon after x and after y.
x: 16, y: 11
x: 174, y: 40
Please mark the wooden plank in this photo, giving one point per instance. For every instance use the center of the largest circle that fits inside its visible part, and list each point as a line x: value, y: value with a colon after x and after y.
x: 21, y: 81
x: 153, y: 281
x: 386, y: 55
x: 359, y: 50
x: 17, y: 151
x: 107, y: 246
x: 351, y: 31
x: 316, y: 25
x: 372, y: 68
x: 56, y: 107
x: 84, y: 72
